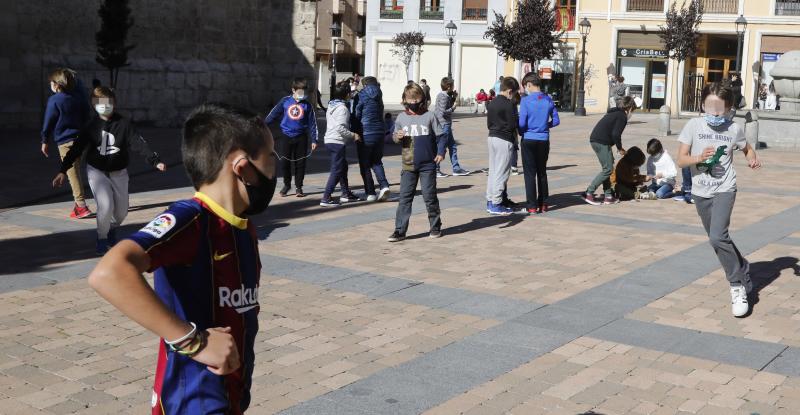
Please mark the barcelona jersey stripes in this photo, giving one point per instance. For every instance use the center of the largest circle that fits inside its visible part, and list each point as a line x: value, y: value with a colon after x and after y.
x: 207, y: 272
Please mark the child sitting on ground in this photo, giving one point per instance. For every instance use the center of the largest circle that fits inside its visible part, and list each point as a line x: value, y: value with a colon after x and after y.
x: 661, y: 171
x: 626, y: 178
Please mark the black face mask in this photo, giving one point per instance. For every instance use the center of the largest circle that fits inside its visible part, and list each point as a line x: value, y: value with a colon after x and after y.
x: 415, y: 107
x: 261, y: 194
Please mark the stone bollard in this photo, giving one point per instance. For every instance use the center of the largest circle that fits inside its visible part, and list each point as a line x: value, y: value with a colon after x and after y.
x: 663, y: 120
x: 751, y: 128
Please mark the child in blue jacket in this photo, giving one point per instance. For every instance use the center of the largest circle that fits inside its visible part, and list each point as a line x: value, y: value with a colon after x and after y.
x: 537, y: 115
x: 298, y: 122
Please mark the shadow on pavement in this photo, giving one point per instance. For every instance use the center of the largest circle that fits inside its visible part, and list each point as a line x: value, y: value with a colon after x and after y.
x: 765, y: 273
x: 476, y: 224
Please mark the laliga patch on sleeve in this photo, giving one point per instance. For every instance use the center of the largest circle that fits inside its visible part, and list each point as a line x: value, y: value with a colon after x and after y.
x: 160, y: 225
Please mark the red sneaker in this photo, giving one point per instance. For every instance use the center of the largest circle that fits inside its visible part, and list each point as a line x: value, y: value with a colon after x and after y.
x: 532, y: 211
x: 80, y: 212
x: 543, y: 208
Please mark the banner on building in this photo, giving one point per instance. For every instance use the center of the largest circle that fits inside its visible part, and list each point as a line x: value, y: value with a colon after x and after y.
x: 642, y: 53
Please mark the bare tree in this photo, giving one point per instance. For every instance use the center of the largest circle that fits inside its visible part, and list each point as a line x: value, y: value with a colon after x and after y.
x: 680, y: 34
x: 406, y: 46
x: 112, y: 52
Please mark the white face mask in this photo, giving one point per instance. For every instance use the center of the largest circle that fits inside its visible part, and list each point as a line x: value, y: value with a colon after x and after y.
x: 300, y: 95
x: 104, y: 109
x: 352, y: 87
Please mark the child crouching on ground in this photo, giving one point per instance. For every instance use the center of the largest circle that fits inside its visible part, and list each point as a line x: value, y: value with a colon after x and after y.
x: 661, y: 171
x: 423, y: 141
x: 626, y: 178
x: 337, y: 135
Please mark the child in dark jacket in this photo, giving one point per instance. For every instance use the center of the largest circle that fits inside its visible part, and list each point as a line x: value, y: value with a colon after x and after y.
x: 626, y: 177
x: 537, y: 115
x: 606, y: 135
x: 502, y: 122
x: 423, y: 141
x: 106, y: 142
x: 66, y: 113
x: 298, y: 122
x: 369, y: 113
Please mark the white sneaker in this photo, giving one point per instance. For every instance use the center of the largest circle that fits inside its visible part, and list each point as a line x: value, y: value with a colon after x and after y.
x: 372, y: 198
x: 739, y: 305
x: 383, y: 194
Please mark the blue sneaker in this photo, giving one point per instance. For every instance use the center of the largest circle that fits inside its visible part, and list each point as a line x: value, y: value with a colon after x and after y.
x: 112, y: 236
x: 102, y: 246
x: 488, y: 207
x: 499, y: 210
x: 687, y: 197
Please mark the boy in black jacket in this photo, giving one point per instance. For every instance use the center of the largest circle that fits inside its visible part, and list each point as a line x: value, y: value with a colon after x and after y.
x: 107, y: 141
x: 502, y: 122
x: 605, y: 135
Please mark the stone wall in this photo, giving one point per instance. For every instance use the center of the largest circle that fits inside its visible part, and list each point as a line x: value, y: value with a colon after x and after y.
x: 243, y: 52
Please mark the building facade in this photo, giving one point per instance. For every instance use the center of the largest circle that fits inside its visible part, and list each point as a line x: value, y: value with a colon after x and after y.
x: 623, y: 41
x: 243, y: 53
x: 475, y: 64
x: 350, y: 15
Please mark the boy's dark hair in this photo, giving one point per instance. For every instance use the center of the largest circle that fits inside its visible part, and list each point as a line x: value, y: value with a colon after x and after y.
x: 532, y: 78
x: 654, y: 147
x: 103, y: 92
x: 64, y: 78
x: 721, y: 90
x: 299, y: 83
x: 634, y: 156
x: 500, y: 79
x: 423, y: 81
x: 211, y: 132
x: 509, y: 83
x: 369, y: 80
x: 627, y: 104
x: 341, y: 90
x: 446, y: 83
x: 387, y: 115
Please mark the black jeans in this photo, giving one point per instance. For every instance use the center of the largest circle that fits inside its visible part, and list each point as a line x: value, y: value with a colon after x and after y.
x: 534, y: 166
x: 338, y: 170
x: 370, y: 159
x: 295, y: 148
x: 408, y: 187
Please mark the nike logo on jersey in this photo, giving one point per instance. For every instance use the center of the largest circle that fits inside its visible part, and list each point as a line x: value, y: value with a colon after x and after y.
x: 242, y: 299
x: 220, y: 257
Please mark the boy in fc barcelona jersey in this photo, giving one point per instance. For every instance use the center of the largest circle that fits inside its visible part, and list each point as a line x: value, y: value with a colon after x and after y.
x: 203, y: 251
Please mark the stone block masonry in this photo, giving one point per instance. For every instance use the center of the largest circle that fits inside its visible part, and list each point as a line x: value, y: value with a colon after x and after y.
x: 242, y: 52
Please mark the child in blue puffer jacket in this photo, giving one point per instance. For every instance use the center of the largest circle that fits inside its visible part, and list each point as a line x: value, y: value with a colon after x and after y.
x: 369, y: 113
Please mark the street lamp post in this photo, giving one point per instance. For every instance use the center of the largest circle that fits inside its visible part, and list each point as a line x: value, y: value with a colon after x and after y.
x: 450, y: 30
x: 741, y: 26
x: 585, y: 27
x: 336, y: 34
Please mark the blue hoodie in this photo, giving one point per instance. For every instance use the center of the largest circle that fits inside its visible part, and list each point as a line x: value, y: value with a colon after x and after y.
x: 297, y: 117
x: 66, y: 114
x: 537, y: 115
x: 369, y: 112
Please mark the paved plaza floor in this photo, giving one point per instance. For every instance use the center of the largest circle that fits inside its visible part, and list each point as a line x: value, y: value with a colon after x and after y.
x: 619, y: 309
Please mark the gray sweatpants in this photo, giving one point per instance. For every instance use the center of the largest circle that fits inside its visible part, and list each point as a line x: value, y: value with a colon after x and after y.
x: 110, y: 191
x: 500, y: 153
x: 715, y: 213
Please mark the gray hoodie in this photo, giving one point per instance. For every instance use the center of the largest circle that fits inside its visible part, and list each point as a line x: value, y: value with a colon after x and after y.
x: 444, y: 108
x: 338, y: 123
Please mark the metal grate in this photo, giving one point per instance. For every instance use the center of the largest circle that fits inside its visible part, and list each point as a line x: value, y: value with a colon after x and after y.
x: 787, y: 7
x: 431, y: 13
x: 720, y: 6
x: 645, y: 5
x: 473, y: 14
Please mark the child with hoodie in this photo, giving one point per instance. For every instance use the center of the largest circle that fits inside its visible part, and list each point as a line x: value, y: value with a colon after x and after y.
x: 423, y: 140
x: 337, y: 135
x: 626, y: 177
x: 66, y: 113
x: 106, y: 141
x: 369, y: 111
x: 297, y: 123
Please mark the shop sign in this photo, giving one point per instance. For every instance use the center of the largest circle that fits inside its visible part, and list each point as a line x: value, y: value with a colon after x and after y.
x: 546, y: 73
x: 770, y: 57
x: 641, y: 53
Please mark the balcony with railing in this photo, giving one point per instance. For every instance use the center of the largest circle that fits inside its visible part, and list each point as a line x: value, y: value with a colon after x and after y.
x: 565, y: 18
x: 431, y: 10
x: 720, y: 6
x: 392, y: 9
x: 645, y: 5
x: 787, y: 7
x: 475, y: 10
